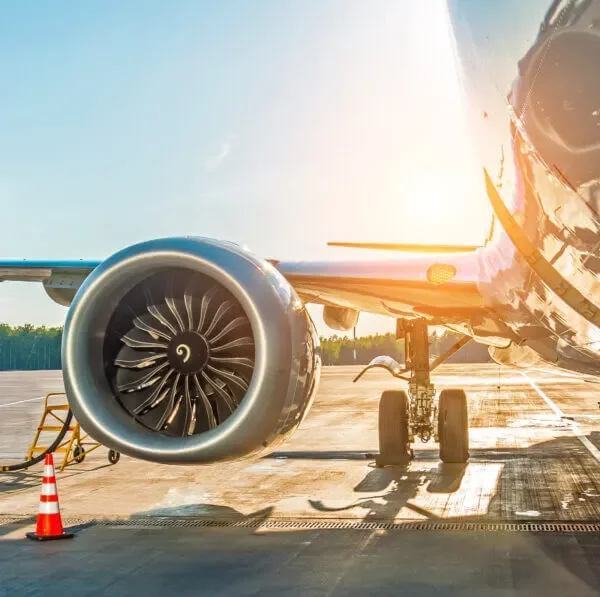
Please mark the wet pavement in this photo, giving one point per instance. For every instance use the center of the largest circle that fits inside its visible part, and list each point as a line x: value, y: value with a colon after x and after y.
x: 534, y: 459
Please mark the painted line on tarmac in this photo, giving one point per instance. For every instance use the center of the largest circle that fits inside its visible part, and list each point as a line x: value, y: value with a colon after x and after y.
x: 21, y: 401
x: 574, y: 426
x: 485, y: 381
x: 561, y: 373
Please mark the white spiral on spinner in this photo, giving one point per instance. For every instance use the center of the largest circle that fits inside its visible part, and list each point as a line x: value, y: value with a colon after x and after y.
x: 184, y: 349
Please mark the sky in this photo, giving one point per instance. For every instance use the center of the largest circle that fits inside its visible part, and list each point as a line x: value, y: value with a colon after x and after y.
x: 278, y: 124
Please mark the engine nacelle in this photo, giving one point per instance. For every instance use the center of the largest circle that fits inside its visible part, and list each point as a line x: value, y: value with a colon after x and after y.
x: 189, y: 350
x: 515, y: 356
x: 340, y: 318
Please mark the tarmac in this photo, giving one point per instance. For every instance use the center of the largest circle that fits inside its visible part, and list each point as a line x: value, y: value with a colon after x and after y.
x: 316, y: 517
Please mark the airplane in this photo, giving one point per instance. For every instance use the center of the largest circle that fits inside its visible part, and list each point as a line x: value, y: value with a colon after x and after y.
x: 194, y: 350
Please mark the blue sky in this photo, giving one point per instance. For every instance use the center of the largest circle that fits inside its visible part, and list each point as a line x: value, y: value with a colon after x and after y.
x: 278, y: 124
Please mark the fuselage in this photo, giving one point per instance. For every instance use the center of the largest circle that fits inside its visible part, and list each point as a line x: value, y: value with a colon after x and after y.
x: 529, y: 72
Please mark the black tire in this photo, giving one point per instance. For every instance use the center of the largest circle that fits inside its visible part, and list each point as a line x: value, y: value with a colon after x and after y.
x: 394, y: 445
x: 78, y: 454
x: 453, y: 426
x: 113, y: 456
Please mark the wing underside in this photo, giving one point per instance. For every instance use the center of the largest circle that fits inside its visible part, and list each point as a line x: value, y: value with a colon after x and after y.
x: 444, y: 286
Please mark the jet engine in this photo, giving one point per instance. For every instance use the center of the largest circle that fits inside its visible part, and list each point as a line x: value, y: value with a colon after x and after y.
x: 189, y: 350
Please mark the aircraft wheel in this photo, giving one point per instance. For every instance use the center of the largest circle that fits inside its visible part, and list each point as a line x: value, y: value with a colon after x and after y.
x: 453, y: 426
x: 394, y: 445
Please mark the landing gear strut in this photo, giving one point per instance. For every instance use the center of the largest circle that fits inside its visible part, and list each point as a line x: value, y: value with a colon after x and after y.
x: 403, y: 417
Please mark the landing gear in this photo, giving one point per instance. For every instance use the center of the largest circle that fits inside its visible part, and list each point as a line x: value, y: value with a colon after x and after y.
x: 402, y: 417
x: 394, y: 442
x: 453, y: 426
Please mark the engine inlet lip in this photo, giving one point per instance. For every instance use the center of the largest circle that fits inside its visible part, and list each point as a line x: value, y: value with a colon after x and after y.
x: 90, y: 394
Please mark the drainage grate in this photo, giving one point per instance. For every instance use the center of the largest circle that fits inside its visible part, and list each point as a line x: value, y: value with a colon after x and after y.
x: 502, y: 527
x: 320, y: 524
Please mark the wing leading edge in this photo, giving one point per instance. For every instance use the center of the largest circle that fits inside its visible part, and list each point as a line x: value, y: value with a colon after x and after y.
x: 61, y: 279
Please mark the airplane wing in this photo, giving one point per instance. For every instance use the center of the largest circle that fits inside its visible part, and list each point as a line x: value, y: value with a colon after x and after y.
x: 439, y: 286
x: 61, y: 279
x: 443, y: 287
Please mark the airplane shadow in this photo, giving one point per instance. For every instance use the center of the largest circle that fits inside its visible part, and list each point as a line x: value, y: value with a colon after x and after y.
x: 399, y: 492
x: 400, y: 485
x: 516, y: 494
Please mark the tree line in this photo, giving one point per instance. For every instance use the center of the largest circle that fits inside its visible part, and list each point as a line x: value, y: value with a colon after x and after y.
x: 338, y: 350
x: 27, y: 347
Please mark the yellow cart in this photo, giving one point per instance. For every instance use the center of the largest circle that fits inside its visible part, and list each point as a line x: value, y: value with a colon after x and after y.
x: 77, y: 444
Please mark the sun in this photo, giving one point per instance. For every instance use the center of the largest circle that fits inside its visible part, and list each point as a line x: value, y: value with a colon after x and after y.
x: 435, y: 213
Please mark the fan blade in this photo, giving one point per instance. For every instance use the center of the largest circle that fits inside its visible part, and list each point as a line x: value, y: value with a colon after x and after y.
x: 232, y: 325
x: 231, y: 405
x: 206, y: 402
x: 155, y: 312
x: 170, y: 405
x: 174, y: 412
x: 136, y: 359
x: 171, y: 304
x: 188, y: 406
x: 135, y: 338
x: 141, y: 324
x: 156, y: 397
x: 229, y: 376
x: 193, y: 420
x: 237, y: 343
x: 188, y: 296
x: 146, y: 380
x: 221, y: 311
x: 206, y: 300
x: 241, y: 361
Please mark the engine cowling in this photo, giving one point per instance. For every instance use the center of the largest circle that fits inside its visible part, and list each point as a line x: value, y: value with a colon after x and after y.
x: 189, y: 350
x: 340, y: 318
x: 514, y: 356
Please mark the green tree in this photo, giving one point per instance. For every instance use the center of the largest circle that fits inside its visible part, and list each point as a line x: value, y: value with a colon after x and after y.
x: 27, y: 347
x: 337, y: 350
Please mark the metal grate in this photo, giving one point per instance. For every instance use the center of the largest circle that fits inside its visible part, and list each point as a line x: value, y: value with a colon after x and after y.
x: 321, y: 524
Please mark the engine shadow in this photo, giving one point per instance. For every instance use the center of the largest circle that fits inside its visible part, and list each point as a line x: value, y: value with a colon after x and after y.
x: 208, y: 512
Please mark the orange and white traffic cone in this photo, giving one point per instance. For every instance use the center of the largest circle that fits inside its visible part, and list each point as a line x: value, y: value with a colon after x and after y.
x: 49, y: 523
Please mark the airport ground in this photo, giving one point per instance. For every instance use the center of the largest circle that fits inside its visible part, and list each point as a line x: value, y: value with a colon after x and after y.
x: 316, y: 517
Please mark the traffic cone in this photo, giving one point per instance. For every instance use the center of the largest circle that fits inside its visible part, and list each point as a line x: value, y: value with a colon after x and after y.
x: 49, y: 523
